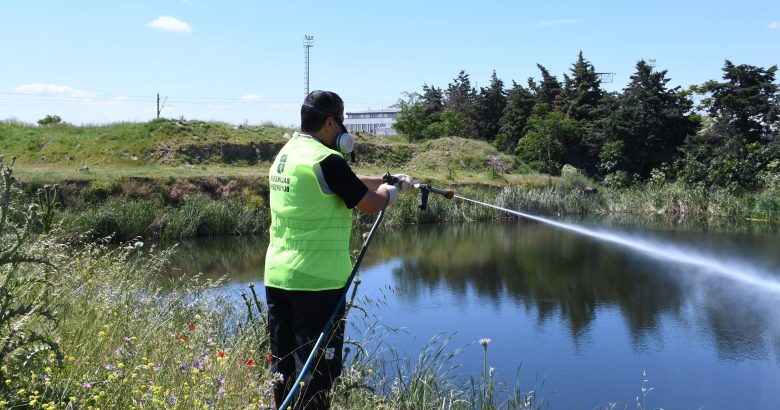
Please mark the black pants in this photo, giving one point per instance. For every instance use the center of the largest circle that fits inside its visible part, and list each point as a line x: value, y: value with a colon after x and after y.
x: 295, y: 320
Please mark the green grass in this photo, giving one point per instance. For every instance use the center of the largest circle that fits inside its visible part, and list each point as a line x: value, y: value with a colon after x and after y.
x: 126, y: 145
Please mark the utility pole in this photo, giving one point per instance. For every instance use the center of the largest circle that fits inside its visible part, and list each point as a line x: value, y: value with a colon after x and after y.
x: 308, y: 42
x: 159, y: 108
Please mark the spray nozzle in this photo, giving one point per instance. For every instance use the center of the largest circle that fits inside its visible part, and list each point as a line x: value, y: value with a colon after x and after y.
x: 426, y: 189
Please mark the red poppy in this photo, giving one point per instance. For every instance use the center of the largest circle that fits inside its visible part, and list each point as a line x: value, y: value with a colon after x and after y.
x: 269, y: 357
x: 250, y: 362
x: 191, y: 326
x: 221, y: 354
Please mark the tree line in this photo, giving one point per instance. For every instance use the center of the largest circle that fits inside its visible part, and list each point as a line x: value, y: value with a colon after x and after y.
x: 727, y: 139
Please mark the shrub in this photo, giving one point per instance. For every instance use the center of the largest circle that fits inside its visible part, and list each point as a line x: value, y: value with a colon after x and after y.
x: 50, y: 120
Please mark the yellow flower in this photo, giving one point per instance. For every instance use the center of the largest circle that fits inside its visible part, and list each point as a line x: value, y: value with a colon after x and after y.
x: 7, y: 381
x: 197, y: 317
x: 101, y: 334
x: 21, y: 392
x: 71, y: 359
x: 4, y: 369
x: 32, y: 402
x: 120, y: 365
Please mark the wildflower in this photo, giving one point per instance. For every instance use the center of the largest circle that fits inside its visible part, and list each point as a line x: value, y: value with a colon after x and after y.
x: 128, y: 338
x: 210, y: 342
x: 484, y: 342
x: 269, y: 357
x: 182, y: 338
x: 71, y: 359
x: 86, y: 385
x: 221, y: 354
x: 191, y: 326
x: 108, y: 366
x: 250, y: 362
x: 101, y: 334
x: 197, y: 317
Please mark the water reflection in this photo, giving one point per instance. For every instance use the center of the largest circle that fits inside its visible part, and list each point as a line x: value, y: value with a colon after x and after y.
x: 562, y: 278
x: 560, y: 274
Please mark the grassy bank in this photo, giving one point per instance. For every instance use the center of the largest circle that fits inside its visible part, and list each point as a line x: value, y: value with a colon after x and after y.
x: 236, y: 206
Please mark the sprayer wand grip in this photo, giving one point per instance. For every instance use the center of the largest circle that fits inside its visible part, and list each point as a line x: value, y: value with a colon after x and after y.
x: 447, y: 193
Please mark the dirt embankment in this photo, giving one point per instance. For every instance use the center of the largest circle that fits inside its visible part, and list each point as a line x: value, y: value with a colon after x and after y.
x: 226, y: 153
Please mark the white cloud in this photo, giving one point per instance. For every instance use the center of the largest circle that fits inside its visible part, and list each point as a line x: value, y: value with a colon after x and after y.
x: 216, y: 106
x: 774, y: 25
x: 560, y: 22
x: 251, y: 98
x: 170, y: 24
x: 121, y: 98
x: 52, y: 89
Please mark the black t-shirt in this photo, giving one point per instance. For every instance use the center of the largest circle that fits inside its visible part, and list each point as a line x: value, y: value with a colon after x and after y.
x: 342, y: 181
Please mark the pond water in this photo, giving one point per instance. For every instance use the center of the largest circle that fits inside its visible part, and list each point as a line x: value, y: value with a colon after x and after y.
x: 576, y: 319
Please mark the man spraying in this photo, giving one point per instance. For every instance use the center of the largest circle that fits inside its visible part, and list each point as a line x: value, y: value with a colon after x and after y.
x: 312, y: 193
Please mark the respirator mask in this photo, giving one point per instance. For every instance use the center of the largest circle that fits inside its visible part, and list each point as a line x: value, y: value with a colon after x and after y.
x: 343, y: 142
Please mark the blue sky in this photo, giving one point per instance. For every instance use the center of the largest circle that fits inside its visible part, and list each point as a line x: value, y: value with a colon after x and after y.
x: 237, y: 61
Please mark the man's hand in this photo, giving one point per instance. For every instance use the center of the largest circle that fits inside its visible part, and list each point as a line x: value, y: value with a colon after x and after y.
x: 404, y: 184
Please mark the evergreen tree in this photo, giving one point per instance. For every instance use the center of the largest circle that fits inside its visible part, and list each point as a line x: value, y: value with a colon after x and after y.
x: 460, y: 97
x: 548, y: 90
x: 581, y: 93
x: 489, y: 108
x: 651, y: 120
x: 582, y: 100
x: 519, y: 107
x: 432, y: 100
x: 740, y: 141
x: 748, y: 101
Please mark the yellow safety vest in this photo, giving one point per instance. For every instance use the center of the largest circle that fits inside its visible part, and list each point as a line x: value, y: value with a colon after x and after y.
x: 310, y: 228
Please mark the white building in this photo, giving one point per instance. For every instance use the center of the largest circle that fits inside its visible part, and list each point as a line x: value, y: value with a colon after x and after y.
x: 377, y: 122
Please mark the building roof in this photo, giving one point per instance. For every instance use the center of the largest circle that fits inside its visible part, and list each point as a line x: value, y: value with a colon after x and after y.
x: 370, y: 111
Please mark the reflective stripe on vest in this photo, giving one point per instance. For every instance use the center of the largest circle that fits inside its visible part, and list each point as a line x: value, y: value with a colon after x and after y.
x: 309, y: 247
